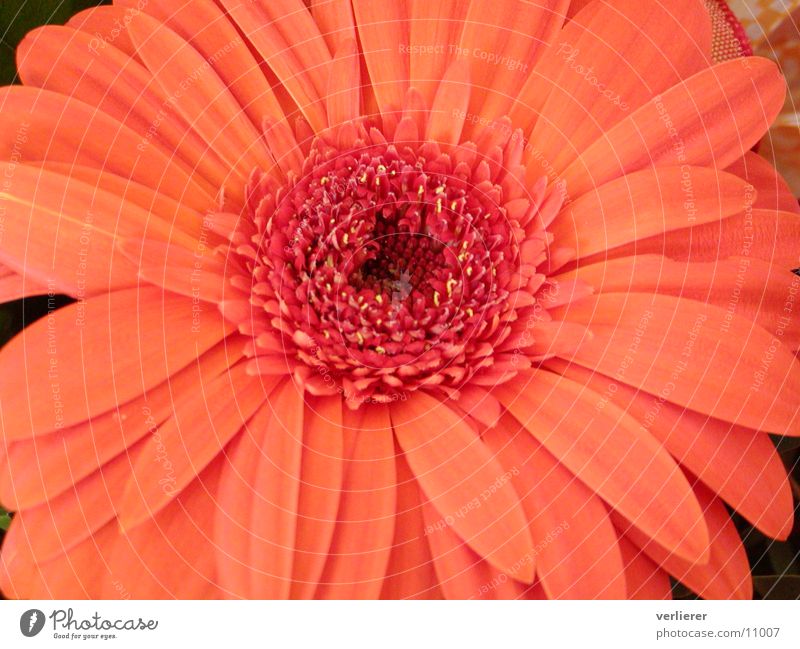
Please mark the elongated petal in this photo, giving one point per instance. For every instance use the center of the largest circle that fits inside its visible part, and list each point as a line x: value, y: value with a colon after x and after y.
x: 609, y: 60
x: 292, y: 46
x: 64, y: 129
x: 726, y: 574
x: 320, y: 491
x: 68, y: 61
x: 199, y: 95
x: 575, y: 545
x: 454, y: 469
x: 648, y: 202
x: 722, y: 375
x: 382, y: 29
x: 710, y: 118
x: 108, y: 350
x: 66, y: 456
x: 749, y: 287
x: 740, y: 465
x: 362, y: 540
x: 611, y: 454
x: 203, y: 24
x: 202, y: 424
x: 410, y: 573
x: 276, y: 488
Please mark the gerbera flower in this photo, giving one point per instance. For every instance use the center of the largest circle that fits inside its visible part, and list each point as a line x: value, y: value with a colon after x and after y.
x: 405, y: 299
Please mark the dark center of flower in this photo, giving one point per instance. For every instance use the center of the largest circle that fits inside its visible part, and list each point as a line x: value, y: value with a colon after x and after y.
x: 391, y: 267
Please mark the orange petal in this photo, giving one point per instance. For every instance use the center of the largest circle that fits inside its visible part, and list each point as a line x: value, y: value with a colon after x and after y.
x: 199, y: 95
x: 14, y: 286
x: 86, y: 358
x: 73, y: 63
x: 382, y: 30
x: 198, y: 274
x: 435, y: 26
x: 335, y: 21
x: 172, y: 554
x: 103, y: 24
x: 462, y: 573
x: 66, y: 456
x: 63, y: 129
x: 287, y: 39
x: 201, y: 425
x: 320, y: 488
x: 740, y: 465
x: 62, y: 523
x: 362, y: 540
x: 760, y: 233
x: 410, y: 573
x: 726, y: 575
x: 645, y: 203
x: 575, y: 545
x: 276, y: 488
x: 502, y: 40
x: 609, y: 60
x: 456, y: 471
x: 79, y: 573
x: 724, y: 375
x: 449, y: 107
x: 203, y: 24
x: 610, y: 452
x: 644, y: 577
x: 711, y: 118
x: 749, y: 287
x: 772, y: 190
x: 344, y: 84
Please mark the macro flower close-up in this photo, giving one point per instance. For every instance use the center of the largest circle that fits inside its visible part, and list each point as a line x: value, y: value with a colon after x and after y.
x: 426, y: 299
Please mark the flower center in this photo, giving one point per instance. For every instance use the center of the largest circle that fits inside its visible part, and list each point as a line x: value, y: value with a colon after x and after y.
x: 391, y: 267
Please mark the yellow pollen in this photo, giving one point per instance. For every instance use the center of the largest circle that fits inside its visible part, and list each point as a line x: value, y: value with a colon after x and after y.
x: 380, y: 350
x: 440, y: 189
x: 326, y: 334
x: 363, y: 178
x: 470, y: 312
x: 381, y: 168
x: 421, y: 190
x: 323, y: 180
x: 346, y: 238
x: 439, y: 206
x: 436, y: 298
x: 450, y: 284
x: 379, y: 298
x: 453, y: 205
x: 469, y: 271
x: 328, y: 287
x: 360, y: 338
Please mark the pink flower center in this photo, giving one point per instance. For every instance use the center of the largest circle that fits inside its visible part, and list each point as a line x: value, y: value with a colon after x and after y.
x: 390, y: 265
